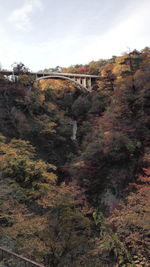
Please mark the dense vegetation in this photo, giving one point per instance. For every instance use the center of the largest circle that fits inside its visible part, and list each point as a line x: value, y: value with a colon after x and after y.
x: 82, y: 202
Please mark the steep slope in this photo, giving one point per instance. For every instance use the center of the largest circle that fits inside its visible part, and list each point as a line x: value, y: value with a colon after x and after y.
x: 81, y: 201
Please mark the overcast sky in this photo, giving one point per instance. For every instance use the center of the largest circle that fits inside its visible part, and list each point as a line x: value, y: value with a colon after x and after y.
x: 47, y: 33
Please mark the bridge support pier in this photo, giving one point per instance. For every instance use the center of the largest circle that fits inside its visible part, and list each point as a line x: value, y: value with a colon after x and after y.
x: 89, y: 84
x: 84, y: 82
x: 79, y: 80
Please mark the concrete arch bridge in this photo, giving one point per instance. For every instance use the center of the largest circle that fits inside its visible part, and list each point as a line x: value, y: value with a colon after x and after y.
x: 83, y: 81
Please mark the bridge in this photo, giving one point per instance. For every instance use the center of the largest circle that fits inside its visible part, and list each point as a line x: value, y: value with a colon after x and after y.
x: 84, y: 81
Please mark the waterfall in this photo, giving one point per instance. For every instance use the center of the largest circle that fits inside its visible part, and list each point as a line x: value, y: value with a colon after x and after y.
x: 74, y: 130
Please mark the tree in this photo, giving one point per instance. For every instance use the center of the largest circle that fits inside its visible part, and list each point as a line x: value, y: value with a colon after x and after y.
x: 26, y: 79
x: 131, y: 221
x: 68, y: 231
x: 20, y: 68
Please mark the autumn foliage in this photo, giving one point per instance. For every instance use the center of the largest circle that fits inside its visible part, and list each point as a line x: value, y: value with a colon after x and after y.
x: 82, y: 202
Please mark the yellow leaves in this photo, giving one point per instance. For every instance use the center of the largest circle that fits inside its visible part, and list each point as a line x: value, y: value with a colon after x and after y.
x: 55, y: 84
x: 51, y: 106
x: 47, y: 200
x: 22, y: 145
x: 16, y: 150
x: 43, y: 84
x: 49, y: 176
x: 51, y: 124
x: 120, y: 60
x: 106, y: 69
x: 79, y: 164
x: 100, y: 84
x: 38, y: 188
x: 26, y: 79
x: 41, y: 98
x: 26, y: 226
x: 18, y: 161
x: 49, y: 128
x: 39, y: 165
x: 118, y: 69
x: 51, y: 166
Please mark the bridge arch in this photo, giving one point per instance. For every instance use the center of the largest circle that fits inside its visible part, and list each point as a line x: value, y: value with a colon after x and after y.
x: 62, y: 78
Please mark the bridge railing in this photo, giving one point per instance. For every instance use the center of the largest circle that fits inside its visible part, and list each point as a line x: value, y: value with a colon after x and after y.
x: 16, y: 260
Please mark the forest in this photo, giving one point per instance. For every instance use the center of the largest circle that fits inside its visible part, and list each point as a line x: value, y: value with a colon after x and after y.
x: 82, y: 201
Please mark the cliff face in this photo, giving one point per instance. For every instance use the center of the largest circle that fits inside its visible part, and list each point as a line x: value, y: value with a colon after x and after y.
x: 65, y: 154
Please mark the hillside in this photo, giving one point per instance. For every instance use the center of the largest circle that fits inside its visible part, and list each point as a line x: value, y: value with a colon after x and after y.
x: 75, y: 166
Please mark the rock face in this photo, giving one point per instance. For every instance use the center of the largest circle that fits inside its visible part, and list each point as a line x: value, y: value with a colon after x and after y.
x: 108, y: 198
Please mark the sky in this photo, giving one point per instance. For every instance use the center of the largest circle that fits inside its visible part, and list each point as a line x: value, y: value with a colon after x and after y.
x: 47, y: 33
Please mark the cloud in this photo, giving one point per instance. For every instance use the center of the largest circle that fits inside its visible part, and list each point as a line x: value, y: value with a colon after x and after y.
x: 131, y: 29
x: 20, y: 17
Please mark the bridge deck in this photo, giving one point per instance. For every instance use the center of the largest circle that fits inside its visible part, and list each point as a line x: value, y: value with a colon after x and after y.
x: 39, y: 74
